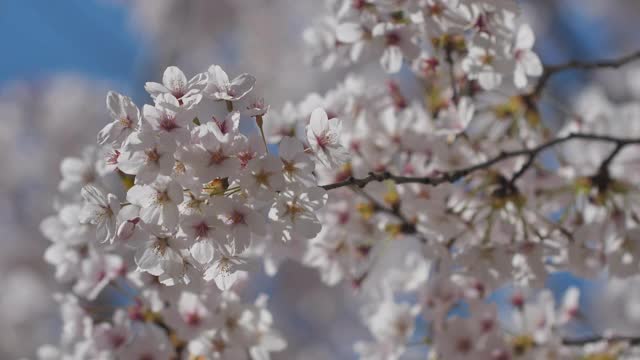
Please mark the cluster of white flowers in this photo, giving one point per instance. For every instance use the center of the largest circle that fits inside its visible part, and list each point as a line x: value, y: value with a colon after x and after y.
x: 201, y: 201
x: 421, y: 204
x: 485, y: 37
x: 39, y: 127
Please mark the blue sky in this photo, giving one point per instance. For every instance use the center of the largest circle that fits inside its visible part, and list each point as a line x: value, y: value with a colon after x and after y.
x: 94, y: 37
x: 82, y: 36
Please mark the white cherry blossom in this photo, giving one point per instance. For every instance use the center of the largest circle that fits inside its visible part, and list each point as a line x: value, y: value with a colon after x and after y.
x: 101, y: 210
x: 527, y: 62
x: 126, y: 117
x: 323, y: 135
x: 158, y: 201
x: 174, y: 82
x: 219, y: 87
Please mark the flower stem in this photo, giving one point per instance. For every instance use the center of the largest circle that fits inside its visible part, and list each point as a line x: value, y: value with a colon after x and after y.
x: 264, y: 139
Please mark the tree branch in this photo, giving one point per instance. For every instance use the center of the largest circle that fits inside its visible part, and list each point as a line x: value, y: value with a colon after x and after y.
x: 455, y: 175
x: 604, y: 167
x: 597, y: 338
x: 523, y: 169
x: 550, y: 70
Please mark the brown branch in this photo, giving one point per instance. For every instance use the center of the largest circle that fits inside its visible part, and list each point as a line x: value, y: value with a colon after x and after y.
x: 604, y: 167
x: 632, y: 340
x: 455, y: 175
x: 551, y: 70
x: 531, y: 158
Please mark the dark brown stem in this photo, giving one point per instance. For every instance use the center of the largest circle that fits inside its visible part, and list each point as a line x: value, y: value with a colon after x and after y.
x: 551, y: 70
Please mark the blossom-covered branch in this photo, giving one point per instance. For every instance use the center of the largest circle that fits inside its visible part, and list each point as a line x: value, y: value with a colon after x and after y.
x: 631, y: 340
x: 455, y: 175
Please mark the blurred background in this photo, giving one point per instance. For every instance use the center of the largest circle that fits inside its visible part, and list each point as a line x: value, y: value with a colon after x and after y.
x: 61, y: 57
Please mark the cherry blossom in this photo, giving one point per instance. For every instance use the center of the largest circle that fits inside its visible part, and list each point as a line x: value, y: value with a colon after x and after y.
x: 296, y: 210
x: 126, y: 117
x: 263, y: 177
x: 527, y: 62
x: 324, y: 139
x: 158, y: 201
x: 168, y: 120
x: 200, y: 228
x: 174, y: 82
x: 296, y: 165
x: 219, y: 87
x: 101, y: 210
x: 241, y: 221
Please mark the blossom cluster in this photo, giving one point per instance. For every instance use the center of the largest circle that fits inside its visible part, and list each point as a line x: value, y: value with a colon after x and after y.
x: 485, y: 37
x: 201, y: 200
x: 422, y: 205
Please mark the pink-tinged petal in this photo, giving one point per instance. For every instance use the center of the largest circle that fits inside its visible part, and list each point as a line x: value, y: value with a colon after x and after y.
x: 175, y: 192
x: 168, y: 103
x: 169, y: 216
x: 532, y: 64
x: 218, y: 76
x: 94, y: 195
x: 151, y: 214
x: 102, y: 233
x: 318, y: 122
x: 349, y: 32
x: 332, y: 275
x: 133, y: 163
x: 391, y: 59
x: 114, y: 203
x: 105, y: 134
x: 242, y: 85
x: 199, y: 79
x: 525, y: 38
x: 191, y: 101
x: 174, y: 79
x: 519, y: 77
x: 130, y: 109
x: 148, y: 261
x: 489, y: 80
x: 90, y: 213
x: 154, y: 89
x: 152, y: 115
x: 202, y: 251
x: 114, y: 104
x: 225, y: 281
x: 290, y: 147
x: 141, y: 195
x: 356, y: 51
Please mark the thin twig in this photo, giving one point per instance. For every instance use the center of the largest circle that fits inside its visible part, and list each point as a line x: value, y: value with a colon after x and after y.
x: 632, y: 340
x: 550, y: 70
x: 604, y: 167
x: 523, y: 169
